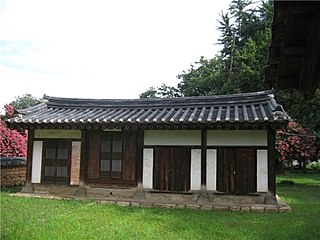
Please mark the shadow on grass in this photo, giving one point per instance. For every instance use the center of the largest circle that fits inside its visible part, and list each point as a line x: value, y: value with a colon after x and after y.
x: 57, y: 219
x: 14, y: 189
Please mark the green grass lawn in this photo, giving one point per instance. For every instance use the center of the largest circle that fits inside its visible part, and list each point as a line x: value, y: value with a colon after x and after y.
x: 32, y: 218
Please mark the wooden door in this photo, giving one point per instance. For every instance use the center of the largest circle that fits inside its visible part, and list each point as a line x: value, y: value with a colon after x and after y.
x: 57, y: 162
x: 236, y: 170
x: 171, y: 171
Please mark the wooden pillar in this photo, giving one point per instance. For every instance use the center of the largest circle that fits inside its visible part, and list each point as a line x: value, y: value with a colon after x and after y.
x: 83, y: 164
x: 271, y: 162
x: 203, y: 160
x: 28, y: 185
x: 139, y: 158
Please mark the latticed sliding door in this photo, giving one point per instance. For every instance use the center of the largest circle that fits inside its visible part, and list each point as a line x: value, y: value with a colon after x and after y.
x: 56, y: 162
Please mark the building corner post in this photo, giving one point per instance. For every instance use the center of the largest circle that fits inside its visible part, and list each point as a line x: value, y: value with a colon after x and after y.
x: 83, y: 162
x: 28, y: 188
x: 271, y: 198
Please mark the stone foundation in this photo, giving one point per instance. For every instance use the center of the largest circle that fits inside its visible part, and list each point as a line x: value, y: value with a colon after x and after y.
x: 13, y: 176
x: 280, y: 207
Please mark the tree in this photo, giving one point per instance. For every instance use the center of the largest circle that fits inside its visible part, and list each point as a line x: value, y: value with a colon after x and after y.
x: 307, y: 113
x: 25, y: 101
x: 201, y: 79
x: 164, y: 91
x: 245, y: 34
x: 149, y: 93
x: 239, y: 66
x: 12, y: 142
x: 296, y: 143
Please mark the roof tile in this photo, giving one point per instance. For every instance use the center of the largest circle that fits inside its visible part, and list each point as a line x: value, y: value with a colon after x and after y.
x: 240, y: 108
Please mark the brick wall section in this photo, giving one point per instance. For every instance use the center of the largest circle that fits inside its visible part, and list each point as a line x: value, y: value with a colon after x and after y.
x: 75, y: 163
x: 13, y: 176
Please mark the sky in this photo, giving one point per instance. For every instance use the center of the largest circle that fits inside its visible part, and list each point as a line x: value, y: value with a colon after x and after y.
x: 101, y: 49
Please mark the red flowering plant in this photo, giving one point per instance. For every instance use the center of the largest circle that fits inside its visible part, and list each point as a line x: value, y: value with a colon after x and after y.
x: 12, y: 142
x: 295, y: 144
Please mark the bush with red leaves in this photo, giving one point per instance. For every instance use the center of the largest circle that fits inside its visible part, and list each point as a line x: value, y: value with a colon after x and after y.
x: 296, y: 143
x: 12, y: 142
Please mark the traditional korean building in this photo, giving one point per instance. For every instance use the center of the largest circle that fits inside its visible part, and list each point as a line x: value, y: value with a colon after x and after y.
x: 193, y: 146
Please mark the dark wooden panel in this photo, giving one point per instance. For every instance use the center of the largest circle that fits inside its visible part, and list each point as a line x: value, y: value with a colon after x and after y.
x: 230, y: 170
x: 171, y: 170
x: 160, y: 168
x: 139, y: 156
x: 130, y: 155
x: 245, y: 170
x: 271, y: 162
x: 29, y: 156
x: 236, y: 170
x: 220, y: 170
x: 93, y: 154
x: 180, y: 169
x: 203, y: 156
x: 83, y: 159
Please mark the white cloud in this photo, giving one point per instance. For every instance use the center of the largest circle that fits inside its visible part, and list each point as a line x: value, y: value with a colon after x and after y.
x: 101, y: 49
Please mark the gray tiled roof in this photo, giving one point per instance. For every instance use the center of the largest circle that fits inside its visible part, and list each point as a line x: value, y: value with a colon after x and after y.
x: 12, y: 161
x: 236, y: 108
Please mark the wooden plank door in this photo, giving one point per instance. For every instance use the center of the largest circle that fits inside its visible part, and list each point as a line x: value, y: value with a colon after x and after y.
x: 226, y: 170
x: 236, y: 170
x: 246, y: 169
x: 57, y: 162
x: 171, y: 171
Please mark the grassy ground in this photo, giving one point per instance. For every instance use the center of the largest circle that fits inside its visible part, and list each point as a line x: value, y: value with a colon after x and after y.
x: 28, y: 218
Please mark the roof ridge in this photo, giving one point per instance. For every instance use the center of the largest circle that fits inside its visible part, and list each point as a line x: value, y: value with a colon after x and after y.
x: 56, y: 102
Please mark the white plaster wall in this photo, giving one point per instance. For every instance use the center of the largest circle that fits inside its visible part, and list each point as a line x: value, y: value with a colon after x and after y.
x: 211, y: 169
x: 195, y: 178
x: 237, y: 138
x: 262, y: 170
x: 36, y: 162
x: 44, y: 133
x: 172, y: 137
x: 147, y: 173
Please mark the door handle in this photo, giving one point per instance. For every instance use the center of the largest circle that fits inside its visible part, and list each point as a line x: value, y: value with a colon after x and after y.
x: 169, y: 170
x: 234, y: 173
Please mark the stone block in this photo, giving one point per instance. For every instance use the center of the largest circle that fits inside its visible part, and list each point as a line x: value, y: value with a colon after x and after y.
x: 107, y: 202
x: 146, y: 204
x: 221, y: 208
x: 139, y: 196
x: 285, y: 209
x: 206, y: 207
x: 245, y: 209
x: 193, y: 206
x: 159, y: 205
x: 181, y: 206
x: 259, y: 209
x: 123, y: 204
x: 135, y: 204
x: 271, y: 210
x: 169, y: 205
x: 235, y: 208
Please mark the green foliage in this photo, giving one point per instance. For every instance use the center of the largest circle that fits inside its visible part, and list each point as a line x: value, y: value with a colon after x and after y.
x: 307, y: 113
x: 202, y: 78
x: 245, y: 34
x: 34, y: 218
x: 239, y: 66
x: 25, y: 101
x: 314, y: 166
x: 164, y: 91
x: 149, y: 93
